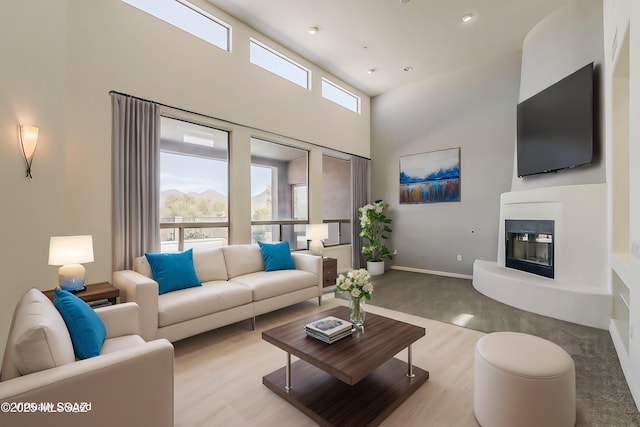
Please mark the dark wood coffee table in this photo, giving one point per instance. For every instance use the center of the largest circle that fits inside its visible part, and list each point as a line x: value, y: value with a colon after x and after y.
x: 353, y: 382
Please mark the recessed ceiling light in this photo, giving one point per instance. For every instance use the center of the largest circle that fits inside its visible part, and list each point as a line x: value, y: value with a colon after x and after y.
x: 313, y: 30
x: 409, y: 68
x: 468, y: 17
x: 371, y: 70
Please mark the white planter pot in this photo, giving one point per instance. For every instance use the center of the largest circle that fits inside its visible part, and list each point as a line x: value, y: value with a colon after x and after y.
x: 375, y: 268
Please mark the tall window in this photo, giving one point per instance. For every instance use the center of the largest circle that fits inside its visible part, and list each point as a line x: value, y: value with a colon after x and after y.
x: 194, y: 186
x: 278, y: 64
x: 279, y: 193
x: 336, y: 199
x: 189, y: 18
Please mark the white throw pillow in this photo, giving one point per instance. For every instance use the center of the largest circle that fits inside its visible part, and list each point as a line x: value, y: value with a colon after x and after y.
x: 141, y: 265
x: 210, y: 264
x: 38, y: 338
x: 242, y: 259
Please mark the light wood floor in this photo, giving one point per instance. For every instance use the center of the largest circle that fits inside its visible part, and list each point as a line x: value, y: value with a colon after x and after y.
x: 218, y: 375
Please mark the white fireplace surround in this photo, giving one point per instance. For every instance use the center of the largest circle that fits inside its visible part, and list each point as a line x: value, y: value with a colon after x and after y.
x: 579, y: 292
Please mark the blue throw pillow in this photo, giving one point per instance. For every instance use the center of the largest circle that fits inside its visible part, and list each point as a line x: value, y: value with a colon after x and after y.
x: 173, y: 271
x: 85, y: 326
x: 276, y: 256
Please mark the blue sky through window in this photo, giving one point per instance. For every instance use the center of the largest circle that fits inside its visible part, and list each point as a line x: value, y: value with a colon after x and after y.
x: 196, y: 174
x: 278, y: 64
x: 188, y: 18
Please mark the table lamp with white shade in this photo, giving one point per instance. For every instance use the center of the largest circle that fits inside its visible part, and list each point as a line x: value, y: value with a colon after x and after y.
x: 70, y: 252
x: 317, y: 233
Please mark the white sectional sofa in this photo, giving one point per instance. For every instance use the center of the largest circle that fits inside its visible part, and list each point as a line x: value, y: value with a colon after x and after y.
x: 234, y: 287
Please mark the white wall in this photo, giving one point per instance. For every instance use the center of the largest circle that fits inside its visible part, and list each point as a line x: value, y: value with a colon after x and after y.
x: 473, y: 109
x: 57, y: 75
x: 32, y: 92
x: 622, y: 78
x: 560, y: 44
x: 563, y: 42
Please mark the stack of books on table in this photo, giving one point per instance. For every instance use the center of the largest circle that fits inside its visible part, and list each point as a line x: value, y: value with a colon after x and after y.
x: 329, y: 329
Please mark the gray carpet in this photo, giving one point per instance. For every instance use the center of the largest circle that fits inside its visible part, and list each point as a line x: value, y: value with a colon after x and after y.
x: 603, y: 397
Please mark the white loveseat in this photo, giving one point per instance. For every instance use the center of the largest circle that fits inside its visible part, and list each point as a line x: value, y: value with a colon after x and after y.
x: 234, y: 287
x: 130, y: 383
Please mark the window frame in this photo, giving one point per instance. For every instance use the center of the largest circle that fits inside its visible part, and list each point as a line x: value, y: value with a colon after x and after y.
x: 274, y: 52
x: 213, y: 18
x: 283, y: 223
x: 195, y: 150
x: 169, y: 18
x: 336, y: 86
x: 338, y: 220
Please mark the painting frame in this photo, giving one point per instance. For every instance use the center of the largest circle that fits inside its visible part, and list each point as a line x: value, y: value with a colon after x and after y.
x: 430, y: 177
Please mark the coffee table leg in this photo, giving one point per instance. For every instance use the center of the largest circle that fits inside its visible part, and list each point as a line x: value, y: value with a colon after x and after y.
x: 410, y: 373
x: 287, y: 383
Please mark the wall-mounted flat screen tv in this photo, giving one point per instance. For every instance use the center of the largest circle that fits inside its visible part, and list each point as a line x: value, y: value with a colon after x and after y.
x: 556, y: 127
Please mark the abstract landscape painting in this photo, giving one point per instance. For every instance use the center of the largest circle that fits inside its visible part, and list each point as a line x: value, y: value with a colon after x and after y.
x: 430, y: 177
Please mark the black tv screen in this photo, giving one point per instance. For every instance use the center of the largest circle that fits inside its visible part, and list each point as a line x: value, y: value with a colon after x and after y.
x: 556, y: 126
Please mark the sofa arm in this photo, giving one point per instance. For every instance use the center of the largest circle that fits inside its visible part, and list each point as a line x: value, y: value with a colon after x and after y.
x: 310, y: 263
x: 138, y: 288
x: 129, y: 387
x: 120, y: 319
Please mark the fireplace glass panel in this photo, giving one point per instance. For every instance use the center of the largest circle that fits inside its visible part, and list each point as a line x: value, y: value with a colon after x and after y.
x: 529, y: 246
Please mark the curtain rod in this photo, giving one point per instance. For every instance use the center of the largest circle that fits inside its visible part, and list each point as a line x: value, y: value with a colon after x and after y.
x: 233, y: 123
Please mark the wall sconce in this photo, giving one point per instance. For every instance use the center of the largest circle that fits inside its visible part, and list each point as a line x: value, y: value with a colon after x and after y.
x: 70, y: 252
x: 317, y: 233
x: 28, y: 142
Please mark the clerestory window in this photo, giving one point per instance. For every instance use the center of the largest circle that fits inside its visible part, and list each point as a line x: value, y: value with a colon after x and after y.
x: 189, y: 18
x: 340, y: 96
x: 277, y: 63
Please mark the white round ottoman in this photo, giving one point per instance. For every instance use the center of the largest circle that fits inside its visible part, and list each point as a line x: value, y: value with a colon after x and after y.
x: 523, y: 381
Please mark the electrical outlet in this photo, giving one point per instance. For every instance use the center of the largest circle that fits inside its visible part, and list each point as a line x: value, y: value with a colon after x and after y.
x: 459, y: 257
x: 395, y: 252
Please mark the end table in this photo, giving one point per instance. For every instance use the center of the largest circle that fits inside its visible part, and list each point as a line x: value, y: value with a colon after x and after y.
x: 329, y: 271
x: 94, y: 292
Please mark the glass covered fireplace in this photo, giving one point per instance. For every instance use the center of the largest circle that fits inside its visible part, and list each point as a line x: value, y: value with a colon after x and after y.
x: 529, y: 246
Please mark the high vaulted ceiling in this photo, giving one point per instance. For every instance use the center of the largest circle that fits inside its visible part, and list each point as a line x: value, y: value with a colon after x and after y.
x: 388, y: 35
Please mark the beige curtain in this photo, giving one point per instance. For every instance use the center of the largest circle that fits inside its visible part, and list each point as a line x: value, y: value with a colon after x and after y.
x: 135, y: 170
x: 359, y: 194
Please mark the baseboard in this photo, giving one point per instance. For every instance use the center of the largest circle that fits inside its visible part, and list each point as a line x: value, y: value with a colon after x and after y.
x: 437, y: 273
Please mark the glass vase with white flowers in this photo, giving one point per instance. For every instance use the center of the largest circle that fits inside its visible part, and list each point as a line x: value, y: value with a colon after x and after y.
x: 358, y: 284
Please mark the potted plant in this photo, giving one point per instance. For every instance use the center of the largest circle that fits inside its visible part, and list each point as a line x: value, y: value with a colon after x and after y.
x: 375, y: 225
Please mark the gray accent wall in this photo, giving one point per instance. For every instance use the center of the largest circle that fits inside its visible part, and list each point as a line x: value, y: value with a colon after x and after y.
x: 474, y: 109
